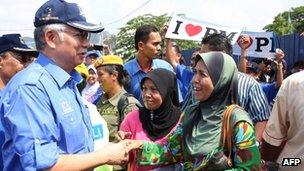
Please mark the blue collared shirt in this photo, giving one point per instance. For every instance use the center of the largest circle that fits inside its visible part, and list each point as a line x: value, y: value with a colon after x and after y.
x: 2, y: 138
x: 137, y: 74
x: 43, y: 116
x: 271, y: 91
x: 184, y: 75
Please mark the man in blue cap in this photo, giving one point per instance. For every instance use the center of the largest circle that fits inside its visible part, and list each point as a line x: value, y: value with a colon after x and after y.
x: 91, y: 57
x: 14, y: 56
x: 46, y: 124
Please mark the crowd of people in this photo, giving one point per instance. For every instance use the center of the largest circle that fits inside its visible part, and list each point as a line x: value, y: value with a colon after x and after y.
x: 66, y: 106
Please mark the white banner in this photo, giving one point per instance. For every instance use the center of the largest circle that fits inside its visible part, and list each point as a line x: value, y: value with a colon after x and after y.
x: 192, y: 29
x: 263, y: 45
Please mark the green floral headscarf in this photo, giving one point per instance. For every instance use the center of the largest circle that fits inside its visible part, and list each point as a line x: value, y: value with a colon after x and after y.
x: 203, y: 121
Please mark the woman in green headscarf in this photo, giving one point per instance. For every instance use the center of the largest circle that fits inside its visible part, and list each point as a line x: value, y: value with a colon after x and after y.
x: 204, y: 140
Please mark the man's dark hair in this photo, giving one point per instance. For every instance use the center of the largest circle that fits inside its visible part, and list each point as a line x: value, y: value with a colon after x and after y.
x: 177, y: 49
x: 142, y: 34
x: 218, y: 42
x: 299, y: 64
x: 257, y: 60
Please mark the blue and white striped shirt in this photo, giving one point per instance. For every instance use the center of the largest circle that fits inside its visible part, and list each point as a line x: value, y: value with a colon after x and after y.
x: 252, y: 98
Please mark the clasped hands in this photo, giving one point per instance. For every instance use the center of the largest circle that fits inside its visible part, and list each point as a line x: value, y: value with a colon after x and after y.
x: 130, y: 144
x: 120, y: 150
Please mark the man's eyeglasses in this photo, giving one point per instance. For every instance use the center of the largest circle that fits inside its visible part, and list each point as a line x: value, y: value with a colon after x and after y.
x: 80, y: 35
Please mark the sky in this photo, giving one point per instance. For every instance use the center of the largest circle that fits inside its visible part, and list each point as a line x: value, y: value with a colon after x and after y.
x: 16, y: 16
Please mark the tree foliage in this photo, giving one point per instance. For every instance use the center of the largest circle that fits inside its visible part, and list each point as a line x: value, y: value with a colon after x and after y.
x: 125, y: 38
x: 288, y: 22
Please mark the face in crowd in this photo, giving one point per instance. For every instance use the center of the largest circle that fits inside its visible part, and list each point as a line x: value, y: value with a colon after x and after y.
x: 147, y: 41
x: 202, y: 83
x: 92, y: 77
x: 89, y: 60
x: 151, y: 96
x: 151, y: 48
x: 106, y: 79
x: 10, y: 63
x: 71, y: 46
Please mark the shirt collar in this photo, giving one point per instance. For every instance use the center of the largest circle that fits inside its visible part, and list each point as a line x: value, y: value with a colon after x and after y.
x: 59, y: 75
x: 136, y: 68
x: 114, y: 100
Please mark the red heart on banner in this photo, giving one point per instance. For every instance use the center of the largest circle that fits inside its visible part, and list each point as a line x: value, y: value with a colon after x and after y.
x: 244, y: 41
x: 193, y: 30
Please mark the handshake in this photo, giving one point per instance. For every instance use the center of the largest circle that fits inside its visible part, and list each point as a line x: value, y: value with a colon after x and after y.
x: 118, y: 153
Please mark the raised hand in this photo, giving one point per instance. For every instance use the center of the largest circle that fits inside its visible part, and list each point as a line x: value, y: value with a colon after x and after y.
x: 244, y: 41
x: 279, y: 54
x: 163, y: 30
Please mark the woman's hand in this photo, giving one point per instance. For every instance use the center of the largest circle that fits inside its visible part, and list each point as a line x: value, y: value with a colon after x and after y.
x: 279, y: 54
x: 124, y: 135
x: 134, y: 144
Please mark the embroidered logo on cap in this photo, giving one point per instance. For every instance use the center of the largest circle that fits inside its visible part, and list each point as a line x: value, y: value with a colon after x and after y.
x: 49, y: 14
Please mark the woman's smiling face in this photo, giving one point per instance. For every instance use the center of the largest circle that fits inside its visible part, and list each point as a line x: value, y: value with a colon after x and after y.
x: 202, y: 83
x: 151, y: 96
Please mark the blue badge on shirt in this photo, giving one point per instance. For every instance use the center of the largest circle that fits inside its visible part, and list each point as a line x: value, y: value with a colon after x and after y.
x: 97, y: 132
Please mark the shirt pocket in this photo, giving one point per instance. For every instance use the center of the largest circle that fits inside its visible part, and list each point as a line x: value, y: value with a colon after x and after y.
x: 73, y: 132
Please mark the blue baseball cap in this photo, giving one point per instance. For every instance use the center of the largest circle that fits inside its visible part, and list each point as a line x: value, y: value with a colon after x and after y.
x: 93, y: 53
x: 15, y: 42
x: 60, y: 11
